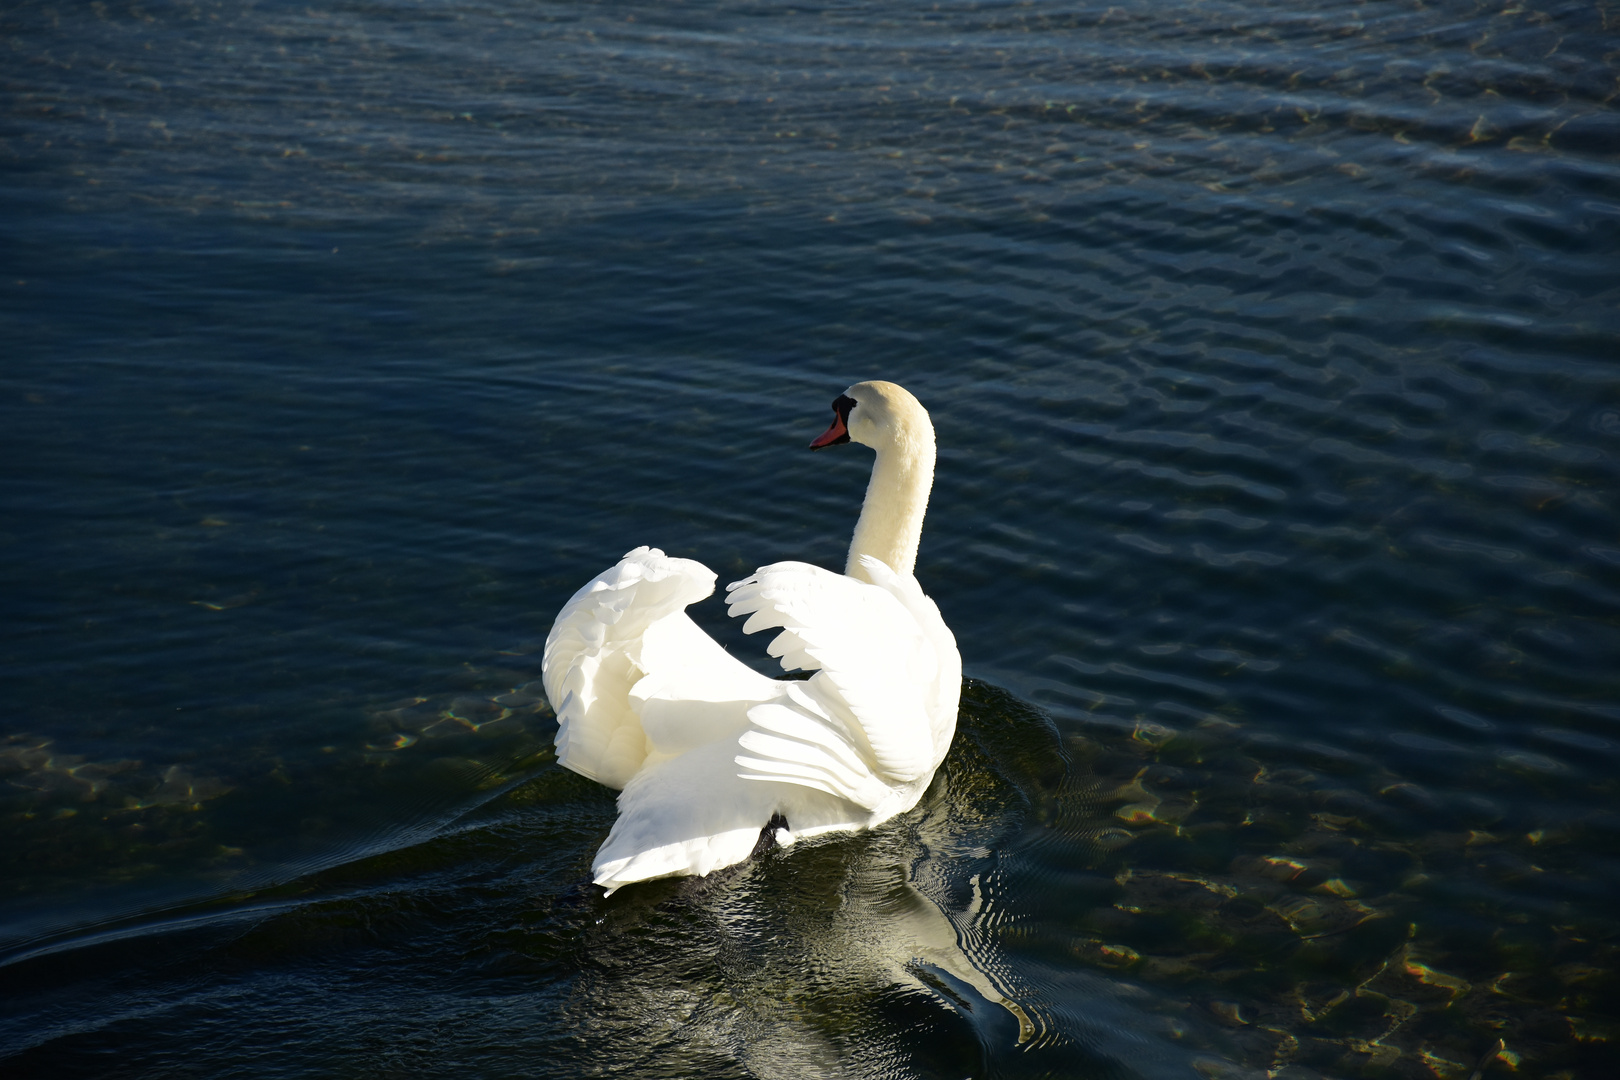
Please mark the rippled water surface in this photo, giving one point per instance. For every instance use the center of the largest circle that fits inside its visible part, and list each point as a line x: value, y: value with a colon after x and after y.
x: 1272, y: 349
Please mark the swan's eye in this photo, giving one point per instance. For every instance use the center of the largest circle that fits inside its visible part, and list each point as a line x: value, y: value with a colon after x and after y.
x: 842, y: 405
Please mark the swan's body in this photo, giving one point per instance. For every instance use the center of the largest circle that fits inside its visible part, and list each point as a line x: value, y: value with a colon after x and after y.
x: 709, y: 753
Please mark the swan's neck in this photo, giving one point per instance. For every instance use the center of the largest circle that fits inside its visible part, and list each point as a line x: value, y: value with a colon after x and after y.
x: 896, y: 500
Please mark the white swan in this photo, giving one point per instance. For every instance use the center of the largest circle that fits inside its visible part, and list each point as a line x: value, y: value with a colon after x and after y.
x: 710, y: 754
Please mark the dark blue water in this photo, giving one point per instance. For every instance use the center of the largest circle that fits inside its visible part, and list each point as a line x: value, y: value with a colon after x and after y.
x: 1272, y: 349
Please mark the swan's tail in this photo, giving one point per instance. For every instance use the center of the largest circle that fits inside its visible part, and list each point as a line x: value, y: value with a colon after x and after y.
x: 593, y: 659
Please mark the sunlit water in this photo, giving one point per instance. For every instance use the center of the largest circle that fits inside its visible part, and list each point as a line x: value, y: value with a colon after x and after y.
x: 1272, y: 350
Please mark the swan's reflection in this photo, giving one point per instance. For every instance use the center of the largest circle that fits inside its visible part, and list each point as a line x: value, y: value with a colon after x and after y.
x: 880, y: 955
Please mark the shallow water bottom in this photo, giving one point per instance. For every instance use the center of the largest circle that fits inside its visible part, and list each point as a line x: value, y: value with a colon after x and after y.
x: 1118, y: 902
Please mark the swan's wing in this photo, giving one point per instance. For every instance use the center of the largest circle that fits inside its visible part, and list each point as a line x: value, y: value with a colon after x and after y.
x: 797, y: 740
x: 876, y: 665
x: 593, y: 658
x: 694, y: 813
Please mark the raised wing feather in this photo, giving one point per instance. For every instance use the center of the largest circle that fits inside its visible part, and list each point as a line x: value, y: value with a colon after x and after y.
x: 593, y: 658
x: 876, y: 666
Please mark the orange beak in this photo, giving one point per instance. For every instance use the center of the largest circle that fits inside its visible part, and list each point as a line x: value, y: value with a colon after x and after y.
x: 834, y: 435
x: 839, y: 432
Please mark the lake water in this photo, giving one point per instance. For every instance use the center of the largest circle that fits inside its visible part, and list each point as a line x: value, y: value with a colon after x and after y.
x: 1272, y: 349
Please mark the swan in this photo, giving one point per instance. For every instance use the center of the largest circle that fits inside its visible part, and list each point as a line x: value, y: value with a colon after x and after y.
x: 713, y: 759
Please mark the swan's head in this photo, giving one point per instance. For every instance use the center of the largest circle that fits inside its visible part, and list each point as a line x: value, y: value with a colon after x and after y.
x: 877, y: 414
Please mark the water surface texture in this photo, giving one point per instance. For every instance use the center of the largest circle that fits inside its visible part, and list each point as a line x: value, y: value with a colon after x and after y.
x: 1272, y: 348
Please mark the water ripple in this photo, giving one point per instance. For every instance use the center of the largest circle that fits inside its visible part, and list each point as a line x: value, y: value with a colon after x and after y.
x: 1271, y: 352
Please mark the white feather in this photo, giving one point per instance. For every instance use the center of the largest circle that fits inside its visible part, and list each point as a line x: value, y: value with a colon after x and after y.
x: 707, y: 751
